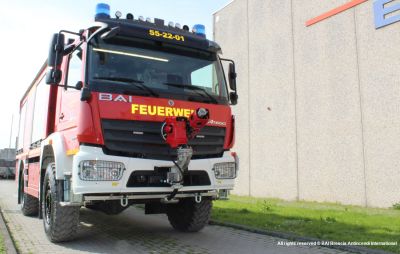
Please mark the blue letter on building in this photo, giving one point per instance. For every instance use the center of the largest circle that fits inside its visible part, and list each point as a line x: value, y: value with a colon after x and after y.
x: 381, y: 11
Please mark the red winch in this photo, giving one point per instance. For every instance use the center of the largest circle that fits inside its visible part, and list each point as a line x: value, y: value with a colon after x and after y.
x: 177, y: 132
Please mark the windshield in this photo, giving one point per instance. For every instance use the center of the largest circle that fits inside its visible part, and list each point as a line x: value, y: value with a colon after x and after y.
x: 156, y: 71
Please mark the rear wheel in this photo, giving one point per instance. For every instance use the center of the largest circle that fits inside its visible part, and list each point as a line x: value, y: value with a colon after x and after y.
x: 60, y: 222
x: 29, y: 204
x: 189, y: 216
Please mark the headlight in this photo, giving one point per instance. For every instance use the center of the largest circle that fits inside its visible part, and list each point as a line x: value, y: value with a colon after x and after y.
x: 225, y: 170
x: 101, y: 170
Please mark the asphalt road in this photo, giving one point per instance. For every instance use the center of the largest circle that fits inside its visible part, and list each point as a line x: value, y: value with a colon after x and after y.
x: 134, y: 232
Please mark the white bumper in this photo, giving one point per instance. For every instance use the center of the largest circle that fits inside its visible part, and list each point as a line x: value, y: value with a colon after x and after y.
x: 113, y: 187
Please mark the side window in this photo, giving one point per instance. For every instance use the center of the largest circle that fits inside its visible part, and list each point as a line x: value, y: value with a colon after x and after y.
x: 40, y: 112
x: 27, y: 128
x: 206, y: 78
x: 21, y: 127
x: 75, y: 68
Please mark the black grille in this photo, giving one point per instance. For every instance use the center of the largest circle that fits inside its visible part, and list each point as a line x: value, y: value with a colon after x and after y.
x: 125, y: 138
x: 157, y: 178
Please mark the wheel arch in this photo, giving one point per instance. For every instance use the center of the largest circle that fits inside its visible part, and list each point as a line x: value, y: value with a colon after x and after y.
x: 53, y: 150
x: 54, y: 147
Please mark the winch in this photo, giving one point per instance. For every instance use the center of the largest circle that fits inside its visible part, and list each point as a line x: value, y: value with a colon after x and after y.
x: 177, y: 131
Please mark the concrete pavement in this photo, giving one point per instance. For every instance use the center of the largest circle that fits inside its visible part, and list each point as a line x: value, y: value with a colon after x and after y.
x: 134, y: 232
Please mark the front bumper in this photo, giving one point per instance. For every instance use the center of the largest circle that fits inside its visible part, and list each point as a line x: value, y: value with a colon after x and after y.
x: 93, y: 188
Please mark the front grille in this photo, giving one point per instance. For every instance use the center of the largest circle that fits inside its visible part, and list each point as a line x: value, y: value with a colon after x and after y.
x: 157, y: 178
x: 143, y: 140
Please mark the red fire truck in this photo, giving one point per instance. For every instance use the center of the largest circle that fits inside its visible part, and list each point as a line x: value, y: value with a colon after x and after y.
x: 127, y: 111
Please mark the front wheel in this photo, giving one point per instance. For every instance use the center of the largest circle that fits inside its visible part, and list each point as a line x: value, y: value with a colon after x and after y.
x: 189, y: 216
x: 60, y: 222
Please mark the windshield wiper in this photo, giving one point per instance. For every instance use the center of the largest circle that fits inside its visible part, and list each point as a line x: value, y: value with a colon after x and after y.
x: 194, y: 88
x: 137, y: 83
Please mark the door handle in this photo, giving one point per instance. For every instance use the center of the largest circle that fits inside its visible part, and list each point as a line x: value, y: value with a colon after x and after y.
x: 61, y: 117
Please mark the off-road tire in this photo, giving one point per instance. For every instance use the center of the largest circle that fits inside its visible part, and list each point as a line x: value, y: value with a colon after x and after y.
x: 29, y: 204
x: 60, y: 222
x: 189, y: 216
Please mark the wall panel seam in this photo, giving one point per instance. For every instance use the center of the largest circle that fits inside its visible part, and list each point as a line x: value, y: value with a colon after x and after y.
x: 361, y: 108
x: 249, y: 92
x: 295, y: 103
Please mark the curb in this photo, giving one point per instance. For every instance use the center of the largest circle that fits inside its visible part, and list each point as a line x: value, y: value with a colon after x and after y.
x: 293, y: 237
x: 8, y: 242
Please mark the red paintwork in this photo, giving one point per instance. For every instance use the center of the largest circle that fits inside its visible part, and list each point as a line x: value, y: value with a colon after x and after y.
x: 51, y: 114
x: 33, y: 179
x: 86, y: 131
x: 232, y: 133
x: 123, y: 110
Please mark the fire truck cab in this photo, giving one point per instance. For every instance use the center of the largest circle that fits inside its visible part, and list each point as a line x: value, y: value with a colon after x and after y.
x: 93, y: 123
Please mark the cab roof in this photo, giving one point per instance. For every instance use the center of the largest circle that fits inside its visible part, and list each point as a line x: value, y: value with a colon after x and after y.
x: 166, y: 33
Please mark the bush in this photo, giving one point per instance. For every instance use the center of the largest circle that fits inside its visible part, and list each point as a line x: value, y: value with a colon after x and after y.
x: 396, y: 206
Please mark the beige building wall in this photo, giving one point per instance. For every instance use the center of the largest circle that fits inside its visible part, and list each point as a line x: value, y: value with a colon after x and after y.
x: 237, y: 48
x: 319, y: 107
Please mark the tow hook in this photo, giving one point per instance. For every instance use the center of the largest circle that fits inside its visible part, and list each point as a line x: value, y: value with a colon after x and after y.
x: 197, y: 198
x: 124, y: 201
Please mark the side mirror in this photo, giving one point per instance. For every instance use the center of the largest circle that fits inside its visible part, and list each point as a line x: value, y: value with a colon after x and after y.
x: 54, y: 60
x: 233, y: 97
x: 232, y: 76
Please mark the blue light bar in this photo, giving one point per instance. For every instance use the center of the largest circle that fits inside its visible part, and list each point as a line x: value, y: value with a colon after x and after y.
x: 102, y: 11
x: 200, y: 30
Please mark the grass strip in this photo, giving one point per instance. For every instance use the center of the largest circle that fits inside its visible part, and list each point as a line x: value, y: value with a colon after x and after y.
x: 2, y: 245
x: 326, y: 221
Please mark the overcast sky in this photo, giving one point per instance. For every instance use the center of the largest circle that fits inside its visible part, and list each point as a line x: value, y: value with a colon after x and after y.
x: 26, y: 27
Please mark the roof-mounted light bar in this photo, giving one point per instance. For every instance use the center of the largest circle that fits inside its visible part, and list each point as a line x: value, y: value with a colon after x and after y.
x: 103, y: 12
